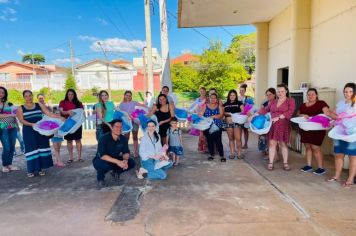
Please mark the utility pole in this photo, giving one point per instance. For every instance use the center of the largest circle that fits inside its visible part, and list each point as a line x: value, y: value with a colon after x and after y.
x: 33, y: 71
x: 144, y: 69
x: 107, y: 69
x: 149, y: 46
x: 166, y: 70
x: 71, y: 57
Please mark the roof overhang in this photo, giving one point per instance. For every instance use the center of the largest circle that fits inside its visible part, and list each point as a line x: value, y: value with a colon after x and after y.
x: 203, y: 13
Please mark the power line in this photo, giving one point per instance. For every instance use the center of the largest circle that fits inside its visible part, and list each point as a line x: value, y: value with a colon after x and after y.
x: 228, y: 32
x: 122, y: 19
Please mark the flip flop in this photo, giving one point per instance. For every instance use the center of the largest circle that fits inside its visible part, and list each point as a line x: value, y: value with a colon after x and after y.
x: 69, y: 161
x: 80, y: 160
x: 347, y: 185
x: 333, y: 179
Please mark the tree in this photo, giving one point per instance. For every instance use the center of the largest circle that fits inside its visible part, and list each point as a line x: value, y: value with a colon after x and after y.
x: 184, y: 78
x: 244, y: 50
x: 70, y: 82
x: 220, y: 69
x: 37, y: 59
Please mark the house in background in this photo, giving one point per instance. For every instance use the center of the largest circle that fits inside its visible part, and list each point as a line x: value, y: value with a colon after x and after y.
x: 185, y: 59
x: 16, y: 75
x: 94, y: 74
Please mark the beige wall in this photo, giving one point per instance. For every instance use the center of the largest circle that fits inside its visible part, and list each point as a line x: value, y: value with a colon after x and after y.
x: 13, y: 70
x: 333, y: 44
x: 279, y: 45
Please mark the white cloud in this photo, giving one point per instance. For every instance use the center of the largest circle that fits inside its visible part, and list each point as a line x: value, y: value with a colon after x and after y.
x: 101, y: 20
x: 10, y: 10
x: 4, y: 1
x: 13, y: 19
x: 20, y: 52
x: 60, y: 50
x: 3, y: 17
x: 184, y: 51
x: 8, y: 14
x: 64, y: 61
x: 118, y: 45
x: 87, y: 38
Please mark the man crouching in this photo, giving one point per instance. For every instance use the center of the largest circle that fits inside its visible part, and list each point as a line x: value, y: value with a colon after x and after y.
x: 113, y: 153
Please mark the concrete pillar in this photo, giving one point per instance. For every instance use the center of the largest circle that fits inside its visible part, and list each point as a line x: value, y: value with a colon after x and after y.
x: 262, y: 33
x: 300, y: 43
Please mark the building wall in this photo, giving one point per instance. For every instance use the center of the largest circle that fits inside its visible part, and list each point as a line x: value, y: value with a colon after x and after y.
x: 333, y: 47
x: 279, y: 44
x: 139, y: 82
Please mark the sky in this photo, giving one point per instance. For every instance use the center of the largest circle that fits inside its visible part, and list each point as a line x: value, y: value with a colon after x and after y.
x: 47, y: 26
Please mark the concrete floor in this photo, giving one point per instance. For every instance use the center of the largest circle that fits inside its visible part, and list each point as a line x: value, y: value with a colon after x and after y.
x: 239, y: 197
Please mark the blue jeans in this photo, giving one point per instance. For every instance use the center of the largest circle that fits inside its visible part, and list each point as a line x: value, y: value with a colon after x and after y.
x: 8, y: 141
x: 20, y: 139
x: 149, y: 165
x: 102, y: 167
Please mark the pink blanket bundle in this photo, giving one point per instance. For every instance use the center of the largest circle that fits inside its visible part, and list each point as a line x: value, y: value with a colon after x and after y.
x: 247, y: 108
x: 324, y: 121
x: 48, y: 125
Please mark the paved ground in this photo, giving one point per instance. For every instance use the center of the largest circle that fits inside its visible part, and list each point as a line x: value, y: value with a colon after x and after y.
x: 199, y: 197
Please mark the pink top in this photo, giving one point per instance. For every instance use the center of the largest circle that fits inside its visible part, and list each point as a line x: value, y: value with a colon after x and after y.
x: 287, y: 108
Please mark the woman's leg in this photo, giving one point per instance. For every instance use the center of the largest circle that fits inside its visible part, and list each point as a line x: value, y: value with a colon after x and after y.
x: 216, y: 136
x: 272, y: 153
x: 135, y: 142
x: 79, y: 146
x: 352, y: 171
x: 308, y: 153
x: 339, y: 163
x: 284, y: 149
x: 211, y: 144
x: 230, y: 135
x: 151, y: 172
x: 237, y: 135
x: 6, y: 145
x: 245, y: 131
x: 318, y: 155
x: 70, y: 149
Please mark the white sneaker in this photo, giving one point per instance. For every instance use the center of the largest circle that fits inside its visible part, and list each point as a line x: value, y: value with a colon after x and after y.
x: 13, y: 168
x: 142, y: 173
x: 5, y: 169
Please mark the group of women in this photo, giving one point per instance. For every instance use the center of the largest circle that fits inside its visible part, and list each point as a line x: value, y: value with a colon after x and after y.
x: 278, y: 103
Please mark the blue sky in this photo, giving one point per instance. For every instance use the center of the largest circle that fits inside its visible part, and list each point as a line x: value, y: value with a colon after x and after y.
x: 46, y: 26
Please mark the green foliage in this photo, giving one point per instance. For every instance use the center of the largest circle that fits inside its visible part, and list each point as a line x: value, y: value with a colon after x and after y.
x: 15, y: 96
x: 184, y: 78
x: 70, y: 82
x: 46, y: 92
x: 95, y: 90
x: 244, y: 50
x: 219, y: 69
x: 33, y: 59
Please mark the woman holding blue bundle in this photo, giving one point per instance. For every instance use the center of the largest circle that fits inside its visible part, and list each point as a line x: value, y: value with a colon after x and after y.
x: 37, y: 150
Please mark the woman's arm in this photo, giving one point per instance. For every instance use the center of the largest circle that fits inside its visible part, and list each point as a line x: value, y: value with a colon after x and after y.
x: 202, y: 111
x: 19, y: 114
x: 221, y: 113
x: 48, y: 113
x: 152, y: 111
x: 172, y: 111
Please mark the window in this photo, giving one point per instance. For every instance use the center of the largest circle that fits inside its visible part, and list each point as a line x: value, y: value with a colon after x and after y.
x: 4, y: 76
x: 24, y: 76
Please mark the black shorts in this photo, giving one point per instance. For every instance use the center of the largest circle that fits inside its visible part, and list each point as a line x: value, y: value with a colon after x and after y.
x: 77, y: 135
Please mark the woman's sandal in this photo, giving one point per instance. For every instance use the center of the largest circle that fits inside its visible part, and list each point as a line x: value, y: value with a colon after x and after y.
x: 231, y: 156
x: 347, y: 185
x: 270, y: 166
x: 333, y: 179
x: 223, y: 159
x: 80, y: 160
x: 42, y: 173
x: 286, y: 167
x: 30, y: 175
x: 210, y: 158
x: 69, y: 161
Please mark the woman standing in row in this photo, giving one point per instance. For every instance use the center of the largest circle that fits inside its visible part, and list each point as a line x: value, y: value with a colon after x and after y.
x: 313, y: 139
x: 213, y: 135
x: 105, y: 112
x: 164, y: 112
x: 8, y: 132
x: 37, y: 150
x: 128, y: 106
x: 342, y: 148
x: 66, y: 107
x: 231, y: 106
x: 282, y: 110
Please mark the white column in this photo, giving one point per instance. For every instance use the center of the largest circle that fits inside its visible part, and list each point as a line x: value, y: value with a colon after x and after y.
x: 149, y: 46
x: 262, y: 35
x: 300, y: 43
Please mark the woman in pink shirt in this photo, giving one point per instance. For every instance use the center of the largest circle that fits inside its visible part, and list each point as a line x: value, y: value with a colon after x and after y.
x: 66, y: 107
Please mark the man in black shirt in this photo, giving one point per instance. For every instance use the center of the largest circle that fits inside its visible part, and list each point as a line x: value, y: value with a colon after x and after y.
x: 113, y: 153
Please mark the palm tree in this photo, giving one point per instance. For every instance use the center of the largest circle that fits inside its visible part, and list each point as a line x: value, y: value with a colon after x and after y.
x: 37, y: 59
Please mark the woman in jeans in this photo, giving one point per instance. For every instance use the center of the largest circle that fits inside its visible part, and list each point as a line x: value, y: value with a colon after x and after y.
x: 8, y: 132
x: 213, y: 135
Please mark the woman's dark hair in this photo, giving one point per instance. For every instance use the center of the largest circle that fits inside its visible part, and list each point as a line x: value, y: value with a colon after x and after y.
x: 148, y: 92
x: 4, y: 99
x: 353, y: 87
x: 101, y: 100
x: 154, y: 133
x: 214, y: 94
x: 165, y: 87
x: 75, y: 98
x: 271, y: 90
x: 40, y: 94
x: 203, y: 88
x: 159, y: 104
x: 228, y: 96
x: 26, y: 91
x: 127, y: 92
x: 244, y: 86
x: 315, y: 91
x: 285, y: 87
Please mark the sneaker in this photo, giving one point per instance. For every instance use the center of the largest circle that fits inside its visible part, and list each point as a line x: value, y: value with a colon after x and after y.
x: 13, y: 168
x: 307, y: 169
x: 101, y: 184
x: 319, y: 171
x: 5, y: 169
x: 142, y: 173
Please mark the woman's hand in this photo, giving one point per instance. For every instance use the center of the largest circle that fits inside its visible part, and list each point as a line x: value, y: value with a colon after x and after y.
x: 275, y: 119
x: 305, y: 116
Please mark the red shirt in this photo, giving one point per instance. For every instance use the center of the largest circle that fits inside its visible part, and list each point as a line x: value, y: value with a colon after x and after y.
x: 67, y: 106
x: 313, y: 110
